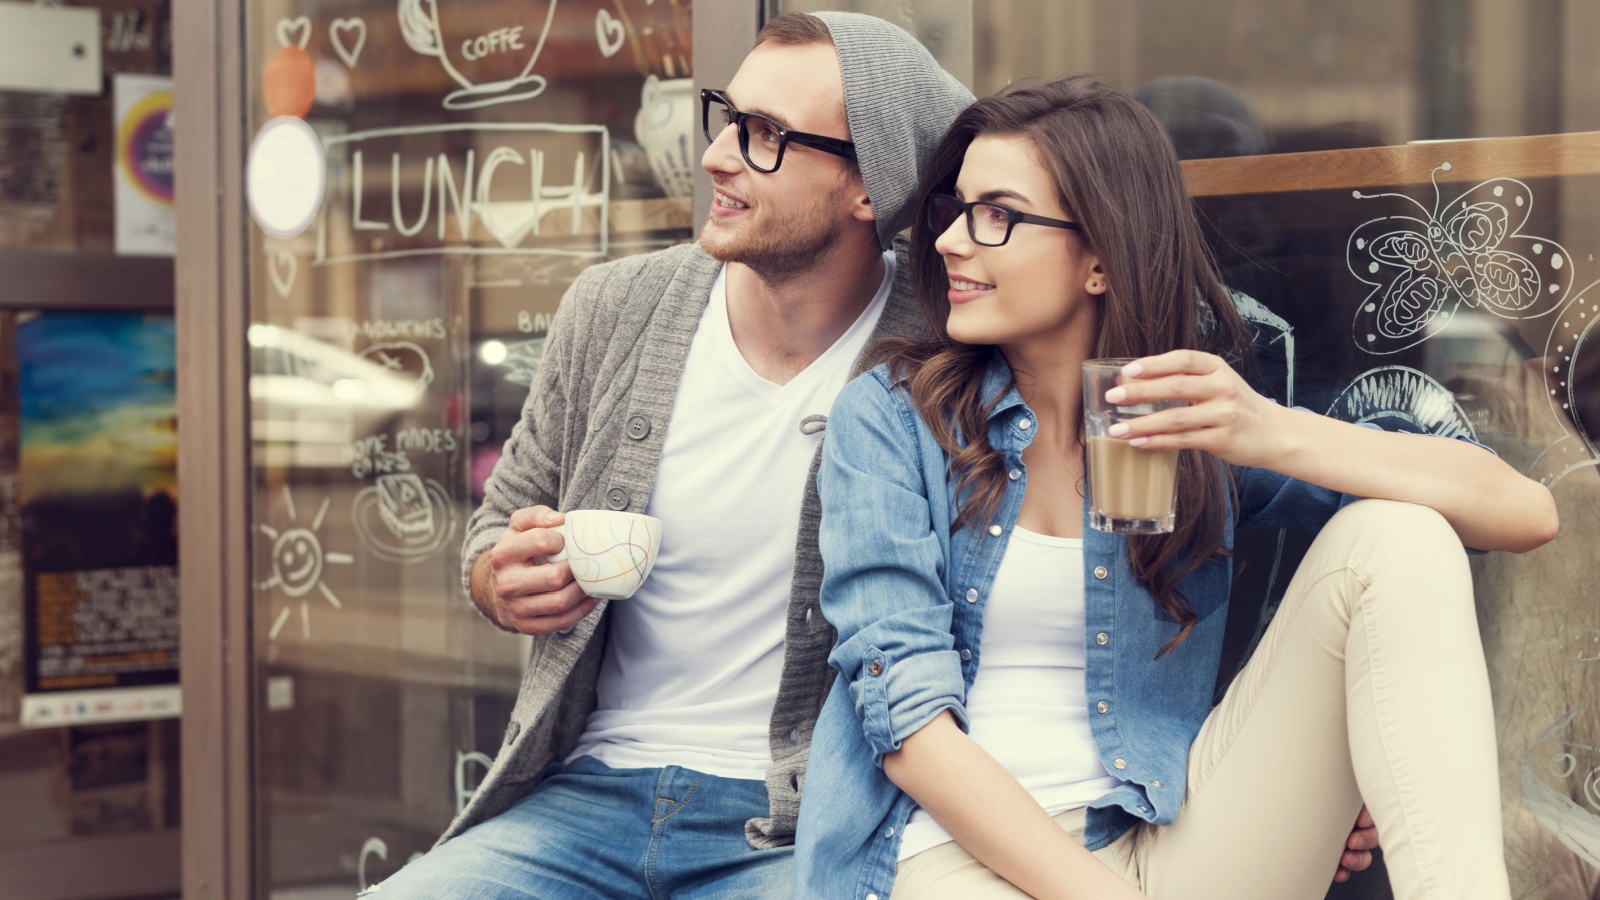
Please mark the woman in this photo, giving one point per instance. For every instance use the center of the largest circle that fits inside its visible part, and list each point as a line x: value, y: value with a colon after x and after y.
x: 1023, y: 704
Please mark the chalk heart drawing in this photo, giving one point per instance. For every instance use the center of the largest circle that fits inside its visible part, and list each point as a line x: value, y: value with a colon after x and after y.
x: 403, y: 518
x: 611, y: 553
x: 1397, y: 398
x: 493, y: 63
x: 296, y: 31
x: 1472, y: 251
x: 282, y: 269
x: 1561, y: 787
x: 348, y: 37
x: 608, y: 33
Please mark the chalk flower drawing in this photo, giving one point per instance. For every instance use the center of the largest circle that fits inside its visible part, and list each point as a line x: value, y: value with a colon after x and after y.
x: 1574, y: 769
x: 1577, y: 449
x: 1470, y: 251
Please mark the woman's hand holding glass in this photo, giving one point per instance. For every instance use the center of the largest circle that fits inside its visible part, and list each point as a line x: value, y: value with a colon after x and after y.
x: 1224, y: 416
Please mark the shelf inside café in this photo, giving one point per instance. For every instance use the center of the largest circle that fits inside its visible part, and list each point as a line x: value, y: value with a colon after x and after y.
x: 56, y: 280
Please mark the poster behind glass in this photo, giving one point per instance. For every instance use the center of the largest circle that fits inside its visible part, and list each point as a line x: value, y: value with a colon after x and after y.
x: 425, y: 179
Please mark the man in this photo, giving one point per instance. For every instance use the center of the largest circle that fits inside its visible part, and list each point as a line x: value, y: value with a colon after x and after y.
x: 658, y: 745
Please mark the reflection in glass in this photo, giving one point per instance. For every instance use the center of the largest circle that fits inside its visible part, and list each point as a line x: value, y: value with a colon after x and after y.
x: 479, y: 155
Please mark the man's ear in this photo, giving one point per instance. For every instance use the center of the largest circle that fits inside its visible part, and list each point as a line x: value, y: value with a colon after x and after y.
x: 861, y: 206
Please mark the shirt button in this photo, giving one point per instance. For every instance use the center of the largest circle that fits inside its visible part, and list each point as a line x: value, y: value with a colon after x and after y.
x: 1100, y: 572
x: 966, y: 653
x: 617, y: 498
x: 972, y: 595
x: 872, y: 897
x: 875, y: 668
x: 890, y: 832
x: 996, y: 530
x: 1144, y: 809
x: 1014, y: 474
x: 1024, y: 423
x: 1102, y: 639
x: 638, y: 427
x: 1102, y: 707
x: 1157, y: 783
x: 1120, y: 763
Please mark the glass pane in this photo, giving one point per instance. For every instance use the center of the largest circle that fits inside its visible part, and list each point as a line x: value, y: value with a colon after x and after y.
x: 460, y: 163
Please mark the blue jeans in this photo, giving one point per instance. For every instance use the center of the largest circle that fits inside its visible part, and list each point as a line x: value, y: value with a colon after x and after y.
x: 590, y: 831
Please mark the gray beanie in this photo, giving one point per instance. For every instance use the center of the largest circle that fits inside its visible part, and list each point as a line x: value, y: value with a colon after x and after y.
x: 898, y: 103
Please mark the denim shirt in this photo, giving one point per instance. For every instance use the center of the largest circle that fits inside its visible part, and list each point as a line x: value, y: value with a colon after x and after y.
x: 907, y: 597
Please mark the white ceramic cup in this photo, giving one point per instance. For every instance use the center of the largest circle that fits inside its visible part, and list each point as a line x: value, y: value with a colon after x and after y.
x: 611, y: 553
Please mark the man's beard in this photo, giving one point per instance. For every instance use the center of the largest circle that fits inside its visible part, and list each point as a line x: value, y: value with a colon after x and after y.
x: 786, y: 250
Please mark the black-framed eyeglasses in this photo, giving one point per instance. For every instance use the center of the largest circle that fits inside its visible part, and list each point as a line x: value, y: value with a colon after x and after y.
x: 761, y: 139
x: 988, y: 224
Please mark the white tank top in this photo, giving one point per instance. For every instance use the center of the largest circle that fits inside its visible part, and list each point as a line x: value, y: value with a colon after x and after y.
x: 1027, y: 706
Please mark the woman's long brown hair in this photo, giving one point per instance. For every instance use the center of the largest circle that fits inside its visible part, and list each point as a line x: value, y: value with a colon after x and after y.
x: 1117, y: 174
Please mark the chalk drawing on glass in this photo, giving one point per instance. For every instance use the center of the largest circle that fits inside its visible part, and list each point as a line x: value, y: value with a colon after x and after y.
x: 404, y: 517
x: 1269, y: 328
x: 374, y: 846
x: 1424, y: 265
x: 609, y: 33
x: 1561, y: 787
x: 348, y: 37
x: 282, y: 269
x: 294, y: 32
x: 1578, y: 447
x: 1559, y: 634
x: 297, y: 564
x: 505, y: 196
x: 493, y: 65
x: 522, y: 359
x: 402, y: 360
x: 1398, y: 398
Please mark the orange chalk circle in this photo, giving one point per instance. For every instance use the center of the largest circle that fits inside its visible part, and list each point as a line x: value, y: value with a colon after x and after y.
x: 290, y: 84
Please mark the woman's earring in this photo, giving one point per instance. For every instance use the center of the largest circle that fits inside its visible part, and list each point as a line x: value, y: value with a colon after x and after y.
x: 1094, y: 285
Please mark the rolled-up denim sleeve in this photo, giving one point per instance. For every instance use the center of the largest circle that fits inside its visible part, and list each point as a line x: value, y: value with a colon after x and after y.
x: 883, y: 564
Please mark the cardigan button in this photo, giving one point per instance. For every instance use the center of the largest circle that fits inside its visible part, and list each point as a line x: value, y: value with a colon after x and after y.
x: 617, y: 498
x: 638, y: 427
x: 511, y: 732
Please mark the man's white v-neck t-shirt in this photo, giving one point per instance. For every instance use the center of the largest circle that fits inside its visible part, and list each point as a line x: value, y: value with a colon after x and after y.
x: 692, y: 661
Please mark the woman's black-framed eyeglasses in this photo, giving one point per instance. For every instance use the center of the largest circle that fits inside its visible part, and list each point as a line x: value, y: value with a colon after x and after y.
x: 762, y: 140
x: 988, y: 224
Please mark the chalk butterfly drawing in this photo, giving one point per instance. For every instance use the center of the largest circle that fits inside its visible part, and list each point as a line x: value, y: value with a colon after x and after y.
x: 1471, y: 251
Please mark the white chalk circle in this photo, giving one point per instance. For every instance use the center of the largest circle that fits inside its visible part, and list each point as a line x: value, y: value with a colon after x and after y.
x: 284, y: 177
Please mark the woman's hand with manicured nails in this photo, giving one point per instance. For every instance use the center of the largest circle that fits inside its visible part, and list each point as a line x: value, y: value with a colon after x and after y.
x: 1224, y: 416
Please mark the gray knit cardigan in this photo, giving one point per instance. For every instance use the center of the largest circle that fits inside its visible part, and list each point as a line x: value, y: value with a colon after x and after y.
x: 590, y: 438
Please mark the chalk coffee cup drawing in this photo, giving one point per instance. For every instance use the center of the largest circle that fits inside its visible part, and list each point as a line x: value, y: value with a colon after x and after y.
x: 1130, y: 488
x: 492, y: 61
x: 611, y: 553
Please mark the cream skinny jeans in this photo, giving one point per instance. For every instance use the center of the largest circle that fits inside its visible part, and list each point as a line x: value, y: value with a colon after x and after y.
x: 1369, y: 684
